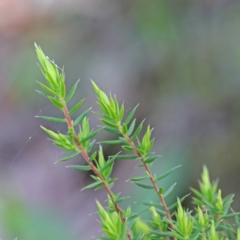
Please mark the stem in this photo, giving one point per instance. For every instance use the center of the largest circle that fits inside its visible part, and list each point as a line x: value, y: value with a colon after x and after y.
x: 131, y: 143
x: 94, y: 169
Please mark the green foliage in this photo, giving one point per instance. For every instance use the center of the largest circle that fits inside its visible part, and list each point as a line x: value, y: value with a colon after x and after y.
x: 210, y: 216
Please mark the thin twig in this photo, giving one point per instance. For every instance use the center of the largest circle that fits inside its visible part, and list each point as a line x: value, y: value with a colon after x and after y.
x: 131, y: 143
x: 94, y: 169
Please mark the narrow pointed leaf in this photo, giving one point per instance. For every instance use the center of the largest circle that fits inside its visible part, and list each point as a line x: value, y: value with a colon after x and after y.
x: 167, y: 173
x: 109, y: 162
x: 146, y: 186
x: 131, y: 128
x: 55, y: 102
x: 43, y: 94
x: 68, y: 157
x: 176, y: 203
x: 62, y: 89
x: 114, y: 142
x: 130, y: 116
x: 47, y: 89
x: 93, y: 157
x: 161, y: 190
x: 110, y: 181
x: 136, y: 179
x: 120, y: 199
x: 230, y: 215
x: 90, y: 147
x: 121, y: 113
x: 138, y: 130
x: 132, y: 217
x: 111, y: 130
x: 127, y: 157
x: 80, y: 167
x: 157, y: 205
x: 72, y: 91
x: 76, y: 107
x: 92, y: 185
x: 80, y: 118
x: 51, y: 133
x: 91, y: 135
x: 169, y: 190
x: 124, y: 129
x: 128, y: 148
x: 163, y: 234
x: 151, y: 159
x: 52, y: 119
x: 109, y: 123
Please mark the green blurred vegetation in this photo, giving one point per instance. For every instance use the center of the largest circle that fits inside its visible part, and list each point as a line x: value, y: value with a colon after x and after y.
x: 24, y: 222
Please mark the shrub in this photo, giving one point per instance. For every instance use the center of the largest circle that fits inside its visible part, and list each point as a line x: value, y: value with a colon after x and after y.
x: 210, y: 216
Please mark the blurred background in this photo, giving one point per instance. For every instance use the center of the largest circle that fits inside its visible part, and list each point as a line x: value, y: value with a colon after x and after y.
x: 179, y: 59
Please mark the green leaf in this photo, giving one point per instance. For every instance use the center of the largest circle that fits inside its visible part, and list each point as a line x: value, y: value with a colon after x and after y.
x: 128, y: 148
x: 92, y: 185
x: 152, y: 204
x: 111, y: 181
x: 68, y: 157
x: 128, y: 157
x: 131, y: 128
x: 52, y: 119
x: 231, y: 215
x: 176, y: 203
x: 105, y: 108
x: 101, y: 95
x: 111, y: 130
x: 121, y: 112
x: 55, y: 102
x: 47, y: 89
x: 76, y: 107
x: 163, y: 234
x: 42, y: 93
x: 161, y: 190
x: 136, y: 179
x: 138, y: 130
x: 151, y: 159
x: 133, y: 216
x: 114, y: 142
x: 109, y: 162
x: 93, y: 157
x: 167, y: 173
x: 72, y: 91
x: 169, y: 190
x: 80, y: 167
x: 146, y: 186
x: 62, y: 91
x: 130, y: 116
x: 90, y: 135
x: 120, y: 199
x: 109, y: 123
x: 51, y: 133
x: 89, y: 149
x: 80, y: 118
x: 124, y: 129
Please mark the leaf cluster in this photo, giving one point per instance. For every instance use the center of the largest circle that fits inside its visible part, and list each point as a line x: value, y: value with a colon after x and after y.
x: 209, y: 218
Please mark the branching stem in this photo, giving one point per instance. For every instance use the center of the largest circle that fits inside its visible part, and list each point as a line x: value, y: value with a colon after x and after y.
x: 131, y: 143
x: 94, y: 169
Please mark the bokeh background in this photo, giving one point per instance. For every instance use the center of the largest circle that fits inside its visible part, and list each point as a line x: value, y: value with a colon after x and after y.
x: 179, y: 59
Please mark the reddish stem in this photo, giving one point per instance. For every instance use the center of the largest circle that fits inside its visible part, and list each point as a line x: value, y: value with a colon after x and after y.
x: 131, y: 143
x: 94, y: 169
